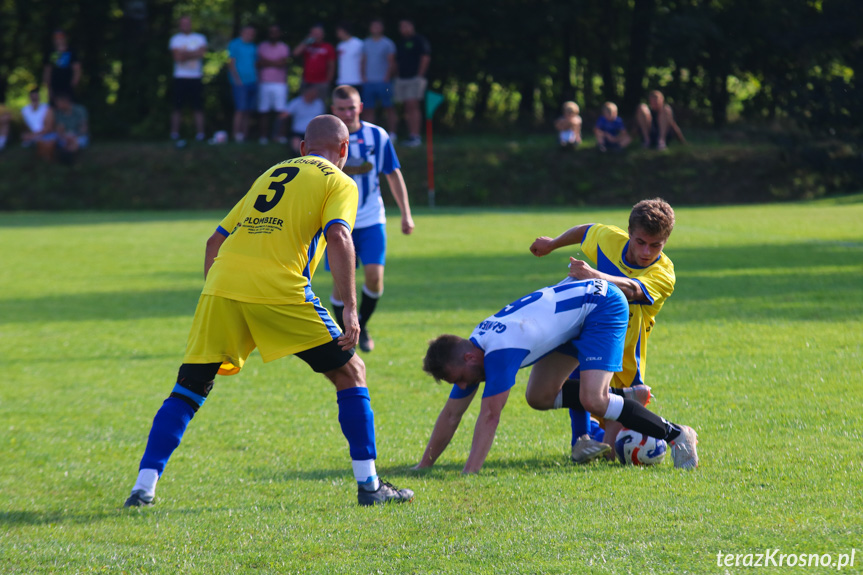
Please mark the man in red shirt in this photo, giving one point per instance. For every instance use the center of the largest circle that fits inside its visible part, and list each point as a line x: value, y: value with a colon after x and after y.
x: 319, y: 61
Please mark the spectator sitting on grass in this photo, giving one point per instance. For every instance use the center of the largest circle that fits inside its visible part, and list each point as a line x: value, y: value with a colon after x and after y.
x: 609, y: 130
x: 69, y: 122
x: 34, y: 115
x: 568, y: 126
x: 302, y: 110
x: 656, y: 122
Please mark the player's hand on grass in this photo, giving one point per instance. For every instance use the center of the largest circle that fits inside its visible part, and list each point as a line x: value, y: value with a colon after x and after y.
x: 542, y: 246
x: 407, y: 225
x: 351, y: 336
x: 580, y: 270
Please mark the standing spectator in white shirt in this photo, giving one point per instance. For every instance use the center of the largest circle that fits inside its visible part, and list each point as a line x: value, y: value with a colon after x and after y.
x: 188, y: 49
x: 350, y: 57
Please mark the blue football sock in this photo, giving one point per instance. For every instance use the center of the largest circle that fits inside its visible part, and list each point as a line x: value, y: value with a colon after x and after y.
x: 580, y: 421
x: 358, y: 422
x: 167, y: 431
x: 596, y: 433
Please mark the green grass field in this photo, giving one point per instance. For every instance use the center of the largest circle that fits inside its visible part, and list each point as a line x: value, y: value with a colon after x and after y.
x: 759, y: 349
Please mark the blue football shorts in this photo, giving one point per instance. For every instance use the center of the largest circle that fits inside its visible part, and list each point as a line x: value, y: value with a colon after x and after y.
x: 600, y: 343
x: 370, y: 244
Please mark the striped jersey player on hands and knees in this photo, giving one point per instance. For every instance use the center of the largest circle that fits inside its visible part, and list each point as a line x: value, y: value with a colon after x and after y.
x: 258, y: 267
x: 554, y: 329
x: 371, y: 154
x: 635, y: 262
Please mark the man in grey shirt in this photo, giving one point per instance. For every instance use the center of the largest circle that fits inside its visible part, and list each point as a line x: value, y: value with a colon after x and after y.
x: 378, y: 67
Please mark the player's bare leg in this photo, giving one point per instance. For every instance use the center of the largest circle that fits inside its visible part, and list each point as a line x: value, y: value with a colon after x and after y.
x: 545, y: 391
x: 643, y: 119
x: 547, y: 378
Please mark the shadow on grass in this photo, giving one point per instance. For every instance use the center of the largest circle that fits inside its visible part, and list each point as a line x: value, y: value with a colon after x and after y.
x: 801, y: 281
x: 88, y: 218
x: 110, y: 306
x: 31, y: 518
x: 443, y: 471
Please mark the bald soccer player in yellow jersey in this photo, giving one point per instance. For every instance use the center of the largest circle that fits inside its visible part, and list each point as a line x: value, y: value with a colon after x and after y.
x: 633, y: 261
x: 258, y: 267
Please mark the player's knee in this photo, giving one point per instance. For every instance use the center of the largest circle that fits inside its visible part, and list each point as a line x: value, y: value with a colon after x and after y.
x: 194, y: 383
x: 351, y: 374
x: 593, y: 401
x: 536, y: 402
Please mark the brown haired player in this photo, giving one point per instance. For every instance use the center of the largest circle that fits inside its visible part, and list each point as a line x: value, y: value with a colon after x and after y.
x: 635, y: 263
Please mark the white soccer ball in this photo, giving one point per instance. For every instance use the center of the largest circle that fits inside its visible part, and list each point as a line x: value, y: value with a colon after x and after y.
x: 633, y: 448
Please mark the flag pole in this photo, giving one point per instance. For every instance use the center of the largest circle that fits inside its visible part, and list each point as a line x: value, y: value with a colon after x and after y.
x: 433, y: 100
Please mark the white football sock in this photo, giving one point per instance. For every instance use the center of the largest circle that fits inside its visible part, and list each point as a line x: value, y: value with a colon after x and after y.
x: 371, y: 293
x: 336, y: 302
x: 147, y: 479
x: 615, y: 406
x: 366, y: 474
x: 558, y: 401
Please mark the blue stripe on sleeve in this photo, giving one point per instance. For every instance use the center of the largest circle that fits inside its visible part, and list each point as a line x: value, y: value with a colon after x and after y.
x: 650, y: 299
x: 223, y: 231
x: 336, y: 221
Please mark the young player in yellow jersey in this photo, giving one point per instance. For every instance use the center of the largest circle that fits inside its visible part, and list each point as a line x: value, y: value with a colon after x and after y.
x: 258, y: 267
x: 635, y: 263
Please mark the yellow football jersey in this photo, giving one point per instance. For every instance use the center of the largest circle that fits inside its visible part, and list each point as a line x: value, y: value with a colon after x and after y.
x: 276, y: 234
x: 606, y: 246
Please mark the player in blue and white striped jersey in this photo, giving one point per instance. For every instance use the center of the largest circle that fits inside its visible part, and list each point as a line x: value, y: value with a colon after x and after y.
x: 554, y: 329
x: 370, y: 155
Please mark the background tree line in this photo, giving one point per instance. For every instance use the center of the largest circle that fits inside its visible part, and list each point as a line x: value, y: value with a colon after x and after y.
x: 498, y: 63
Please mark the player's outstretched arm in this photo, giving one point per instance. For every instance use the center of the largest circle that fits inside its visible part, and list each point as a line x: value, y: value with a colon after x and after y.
x: 544, y: 245
x: 340, y: 251
x: 483, y: 433
x: 581, y: 270
x: 444, y: 428
x: 400, y: 194
x: 214, y: 243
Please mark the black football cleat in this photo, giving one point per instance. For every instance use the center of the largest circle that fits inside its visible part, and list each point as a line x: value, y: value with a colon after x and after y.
x: 138, y: 499
x: 386, y: 493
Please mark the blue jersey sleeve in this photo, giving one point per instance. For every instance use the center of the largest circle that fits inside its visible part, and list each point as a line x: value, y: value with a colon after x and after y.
x: 390, y: 161
x: 500, y: 368
x: 459, y: 393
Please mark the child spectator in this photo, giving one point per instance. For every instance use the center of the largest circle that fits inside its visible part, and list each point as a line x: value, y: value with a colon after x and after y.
x: 69, y: 122
x: 302, y: 110
x: 34, y: 115
x: 609, y: 130
x: 568, y: 126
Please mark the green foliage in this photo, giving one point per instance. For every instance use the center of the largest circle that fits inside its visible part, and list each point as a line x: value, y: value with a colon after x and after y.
x: 758, y: 348
x: 511, y: 61
x: 496, y: 170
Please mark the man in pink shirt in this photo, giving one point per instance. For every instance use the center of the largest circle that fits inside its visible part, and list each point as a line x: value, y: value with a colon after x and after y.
x: 319, y: 61
x: 273, y: 57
